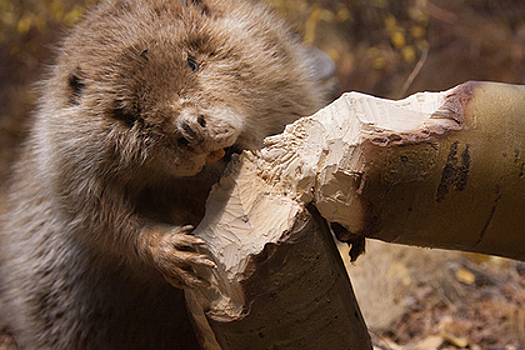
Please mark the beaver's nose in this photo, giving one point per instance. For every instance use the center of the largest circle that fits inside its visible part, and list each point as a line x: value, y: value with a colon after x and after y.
x: 192, y: 128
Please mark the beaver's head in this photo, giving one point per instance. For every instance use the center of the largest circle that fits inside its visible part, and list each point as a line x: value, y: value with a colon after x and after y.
x: 160, y: 87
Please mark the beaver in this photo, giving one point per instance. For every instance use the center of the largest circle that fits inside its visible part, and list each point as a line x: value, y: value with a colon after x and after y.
x: 135, y: 123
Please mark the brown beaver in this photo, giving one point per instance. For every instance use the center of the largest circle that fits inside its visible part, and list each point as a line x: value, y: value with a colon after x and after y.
x: 144, y: 100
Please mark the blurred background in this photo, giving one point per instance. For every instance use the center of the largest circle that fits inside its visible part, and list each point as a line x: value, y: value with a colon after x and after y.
x: 411, y: 298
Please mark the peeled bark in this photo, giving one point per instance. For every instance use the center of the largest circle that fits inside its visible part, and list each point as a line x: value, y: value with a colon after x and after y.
x: 436, y: 169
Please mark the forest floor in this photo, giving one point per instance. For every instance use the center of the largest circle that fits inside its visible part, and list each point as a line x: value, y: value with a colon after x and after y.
x: 421, y: 299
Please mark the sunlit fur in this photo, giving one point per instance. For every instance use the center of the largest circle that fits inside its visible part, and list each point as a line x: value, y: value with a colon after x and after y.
x: 119, y: 144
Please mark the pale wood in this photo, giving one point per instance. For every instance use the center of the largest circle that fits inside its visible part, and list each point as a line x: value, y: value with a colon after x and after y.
x: 436, y: 169
x: 280, y: 282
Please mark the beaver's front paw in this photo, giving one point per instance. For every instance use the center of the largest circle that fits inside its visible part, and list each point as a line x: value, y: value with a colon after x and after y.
x: 174, y: 255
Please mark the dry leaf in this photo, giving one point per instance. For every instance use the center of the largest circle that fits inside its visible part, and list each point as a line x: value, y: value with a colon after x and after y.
x: 465, y: 276
x: 460, y: 342
x: 432, y: 342
x: 399, y: 271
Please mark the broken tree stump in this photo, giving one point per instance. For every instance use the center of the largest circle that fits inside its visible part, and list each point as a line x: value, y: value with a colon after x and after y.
x: 280, y: 282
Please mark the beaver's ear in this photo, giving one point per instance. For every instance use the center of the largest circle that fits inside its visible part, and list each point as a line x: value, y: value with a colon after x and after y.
x: 322, y: 68
x: 76, y: 86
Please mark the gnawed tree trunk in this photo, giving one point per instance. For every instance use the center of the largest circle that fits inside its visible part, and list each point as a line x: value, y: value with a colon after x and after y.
x: 280, y: 282
x: 441, y: 170
x: 436, y: 169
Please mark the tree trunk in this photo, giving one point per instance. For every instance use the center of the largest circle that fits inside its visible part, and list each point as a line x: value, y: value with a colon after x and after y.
x: 441, y: 170
x: 280, y: 282
x: 436, y: 169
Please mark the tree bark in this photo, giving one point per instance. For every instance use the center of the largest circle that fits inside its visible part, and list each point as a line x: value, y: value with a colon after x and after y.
x: 436, y: 169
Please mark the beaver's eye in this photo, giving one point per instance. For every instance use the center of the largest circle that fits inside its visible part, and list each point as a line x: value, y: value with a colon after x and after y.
x: 194, y: 66
x: 192, y: 2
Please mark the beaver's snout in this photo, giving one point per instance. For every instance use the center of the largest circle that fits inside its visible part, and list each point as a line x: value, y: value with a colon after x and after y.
x: 203, y: 132
x: 192, y: 130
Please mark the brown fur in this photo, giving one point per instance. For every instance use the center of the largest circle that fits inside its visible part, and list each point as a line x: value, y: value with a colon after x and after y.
x: 115, y: 166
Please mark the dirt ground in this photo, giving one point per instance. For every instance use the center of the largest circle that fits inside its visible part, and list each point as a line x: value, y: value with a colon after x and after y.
x: 411, y: 298
x: 420, y: 299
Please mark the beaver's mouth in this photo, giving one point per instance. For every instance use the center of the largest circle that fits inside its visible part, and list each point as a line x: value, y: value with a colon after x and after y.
x: 215, y: 156
x: 224, y: 153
